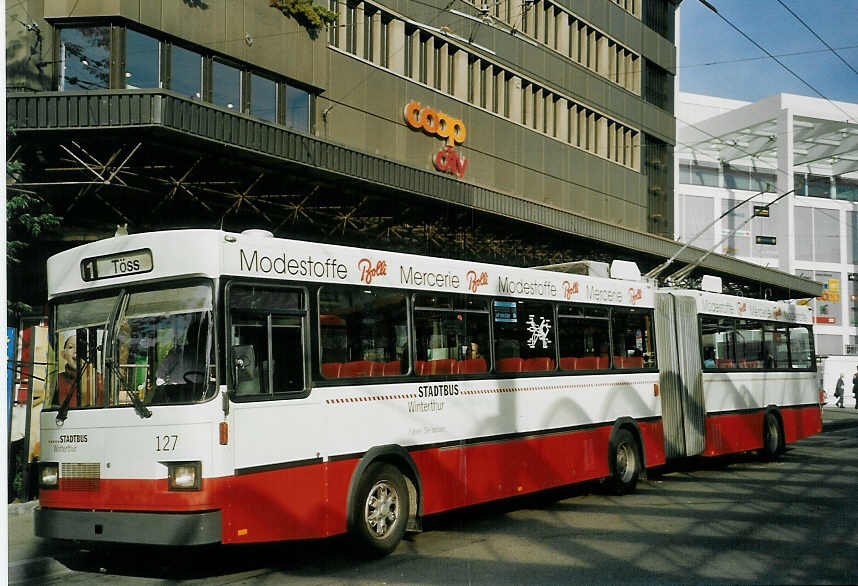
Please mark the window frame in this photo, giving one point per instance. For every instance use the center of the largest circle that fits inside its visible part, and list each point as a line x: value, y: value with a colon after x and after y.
x: 304, y: 314
x: 764, y: 326
x: 488, y: 353
x: 318, y: 376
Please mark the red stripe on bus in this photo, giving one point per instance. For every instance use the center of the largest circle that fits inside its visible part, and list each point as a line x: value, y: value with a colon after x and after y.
x: 740, y: 432
x: 308, y: 502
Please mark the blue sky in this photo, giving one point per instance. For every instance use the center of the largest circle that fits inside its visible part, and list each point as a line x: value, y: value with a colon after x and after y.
x: 706, y: 39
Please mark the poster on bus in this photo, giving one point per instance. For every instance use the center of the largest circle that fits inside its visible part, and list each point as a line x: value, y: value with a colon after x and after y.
x: 30, y: 375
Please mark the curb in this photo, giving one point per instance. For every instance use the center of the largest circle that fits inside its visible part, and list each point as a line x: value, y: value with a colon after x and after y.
x: 839, y: 424
x: 22, y: 508
x: 36, y: 570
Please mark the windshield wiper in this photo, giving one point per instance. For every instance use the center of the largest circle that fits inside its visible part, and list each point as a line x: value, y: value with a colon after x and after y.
x: 139, y: 406
x: 63, y: 411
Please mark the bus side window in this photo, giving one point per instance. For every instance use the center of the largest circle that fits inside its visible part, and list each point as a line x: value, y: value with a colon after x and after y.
x: 267, y: 339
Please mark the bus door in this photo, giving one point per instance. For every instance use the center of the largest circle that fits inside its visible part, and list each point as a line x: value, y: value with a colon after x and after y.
x: 276, y: 421
x: 680, y: 377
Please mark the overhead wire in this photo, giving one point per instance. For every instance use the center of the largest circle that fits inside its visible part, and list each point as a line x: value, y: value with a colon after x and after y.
x: 821, y: 40
x: 778, y: 61
x: 748, y: 59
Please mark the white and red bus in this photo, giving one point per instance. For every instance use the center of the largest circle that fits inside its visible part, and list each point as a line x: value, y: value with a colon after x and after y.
x: 215, y: 387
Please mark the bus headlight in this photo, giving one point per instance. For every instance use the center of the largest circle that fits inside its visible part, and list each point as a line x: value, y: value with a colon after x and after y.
x: 49, y: 475
x: 184, y: 475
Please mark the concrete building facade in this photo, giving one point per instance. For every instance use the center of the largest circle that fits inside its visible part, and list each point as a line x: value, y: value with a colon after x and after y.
x: 518, y: 131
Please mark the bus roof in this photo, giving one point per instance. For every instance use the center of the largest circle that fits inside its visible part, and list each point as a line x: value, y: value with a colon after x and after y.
x: 173, y: 254
x: 746, y: 307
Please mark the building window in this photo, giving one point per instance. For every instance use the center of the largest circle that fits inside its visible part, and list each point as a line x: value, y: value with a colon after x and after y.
x: 853, y: 301
x: 704, y: 174
x: 826, y: 235
x: 368, y: 33
x: 736, y: 177
x: 818, y: 186
x: 658, y: 15
x: 829, y: 345
x: 186, y: 72
x: 657, y: 86
x: 141, y: 61
x: 84, y: 55
x: 422, y: 57
x: 409, y: 51
x: 351, y: 24
x: 226, y: 85
x: 451, y: 72
x: 736, y: 229
x: 658, y: 167
x: 764, y: 180
x: 817, y: 234
x: 852, y: 238
x: 485, y: 68
x: 846, y: 189
x: 297, y: 109
x: 436, y: 65
x: 334, y: 31
x: 384, y: 58
x: 697, y: 213
x: 263, y: 97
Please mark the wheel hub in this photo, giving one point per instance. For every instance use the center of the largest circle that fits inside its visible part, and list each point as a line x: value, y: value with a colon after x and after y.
x: 382, y: 509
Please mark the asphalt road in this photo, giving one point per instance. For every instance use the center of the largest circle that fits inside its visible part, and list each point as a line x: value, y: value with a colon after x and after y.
x: 733, y: 520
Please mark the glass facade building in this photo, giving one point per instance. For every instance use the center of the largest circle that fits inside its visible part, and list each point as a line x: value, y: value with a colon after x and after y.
x: 798, y: 159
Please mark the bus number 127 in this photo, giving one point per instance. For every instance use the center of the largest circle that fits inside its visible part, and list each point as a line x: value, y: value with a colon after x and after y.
x: 166, y: 443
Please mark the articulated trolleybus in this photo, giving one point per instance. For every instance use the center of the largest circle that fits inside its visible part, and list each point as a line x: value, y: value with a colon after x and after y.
x: 215, y: 387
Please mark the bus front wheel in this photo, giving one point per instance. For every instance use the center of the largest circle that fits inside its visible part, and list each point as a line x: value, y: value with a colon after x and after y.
x: 625, y: 463
x: 381, y: 509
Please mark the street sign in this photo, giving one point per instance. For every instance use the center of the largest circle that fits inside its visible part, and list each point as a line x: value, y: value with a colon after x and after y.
x: 766, y: 240
x: 761, y: 211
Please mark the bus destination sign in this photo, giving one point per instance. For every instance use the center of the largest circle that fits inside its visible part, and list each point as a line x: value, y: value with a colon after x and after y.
x: 116, y: 265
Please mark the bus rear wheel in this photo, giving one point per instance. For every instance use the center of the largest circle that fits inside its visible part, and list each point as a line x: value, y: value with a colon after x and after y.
x: 381, y: 509
x: 772, y: 440
x: 625, y: 463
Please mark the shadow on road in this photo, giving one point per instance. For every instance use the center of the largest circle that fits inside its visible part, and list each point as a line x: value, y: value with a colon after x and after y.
x: 725, y: 520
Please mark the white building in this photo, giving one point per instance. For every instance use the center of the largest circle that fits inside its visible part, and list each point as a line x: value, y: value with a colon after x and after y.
x: 807, y: 148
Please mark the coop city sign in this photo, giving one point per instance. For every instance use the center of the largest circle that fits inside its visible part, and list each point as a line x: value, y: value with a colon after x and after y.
x: 451, y: 129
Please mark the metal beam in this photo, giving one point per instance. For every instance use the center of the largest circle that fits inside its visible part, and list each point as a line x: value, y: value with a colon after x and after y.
x: 176, y: 120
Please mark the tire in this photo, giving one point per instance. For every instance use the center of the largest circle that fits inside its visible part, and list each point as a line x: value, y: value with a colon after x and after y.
x: 381, y: 508
x: 772, y: 437
x: 625, y: 463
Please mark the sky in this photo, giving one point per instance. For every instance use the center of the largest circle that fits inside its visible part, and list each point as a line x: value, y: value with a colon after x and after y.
x: 716, y: 60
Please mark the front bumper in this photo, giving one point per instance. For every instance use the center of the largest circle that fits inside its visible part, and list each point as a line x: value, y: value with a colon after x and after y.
x: 195, y: 528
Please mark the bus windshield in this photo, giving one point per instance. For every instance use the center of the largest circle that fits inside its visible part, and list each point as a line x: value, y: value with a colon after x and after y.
x: 160, y: 349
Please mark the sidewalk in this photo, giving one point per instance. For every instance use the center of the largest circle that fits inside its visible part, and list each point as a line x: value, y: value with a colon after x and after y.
x: 834, y: 417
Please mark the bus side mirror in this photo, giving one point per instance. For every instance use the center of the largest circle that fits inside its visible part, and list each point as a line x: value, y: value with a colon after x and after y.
x: 244, y: 366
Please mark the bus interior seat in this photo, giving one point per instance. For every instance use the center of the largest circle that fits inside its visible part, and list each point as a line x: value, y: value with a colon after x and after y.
x: 472, y: 365
x: 358, y: 368
x: 567, y: 362
x: 331, y: 369
x: 538, y: 364
x: 510, y: 365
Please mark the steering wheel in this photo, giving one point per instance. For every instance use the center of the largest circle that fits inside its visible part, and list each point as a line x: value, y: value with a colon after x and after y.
x: 194, y: 373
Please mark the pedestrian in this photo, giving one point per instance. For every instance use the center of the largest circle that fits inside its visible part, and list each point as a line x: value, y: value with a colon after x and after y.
x: 839, y: 391
x: 855, y: 386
